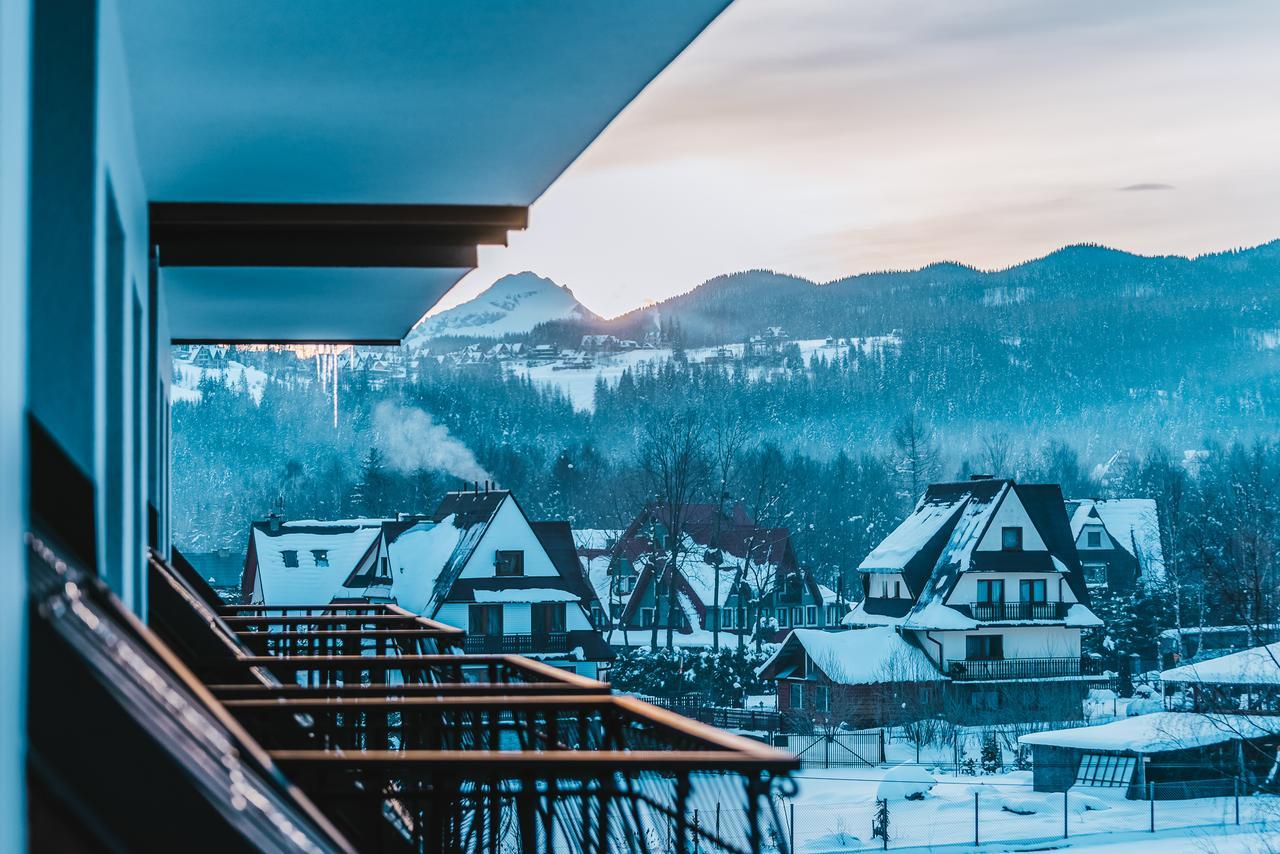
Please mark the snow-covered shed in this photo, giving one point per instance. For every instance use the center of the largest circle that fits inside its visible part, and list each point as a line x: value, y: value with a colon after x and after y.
x: 866, y: 677
x: 1245, y: 681
x: 1163, y: 755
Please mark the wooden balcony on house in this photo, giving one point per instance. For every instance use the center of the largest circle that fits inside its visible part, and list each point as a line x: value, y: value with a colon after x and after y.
x: 517, y: 644
x: 994, y: 612
x: 1023, y: 668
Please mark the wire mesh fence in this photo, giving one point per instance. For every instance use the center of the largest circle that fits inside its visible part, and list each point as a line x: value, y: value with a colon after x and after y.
x: 965, y: 813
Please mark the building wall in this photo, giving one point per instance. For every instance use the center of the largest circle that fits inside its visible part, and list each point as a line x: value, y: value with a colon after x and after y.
x: 1011, y: 515
x: 1054, y: 768
x: 509, y: 530
x: 966, y: 589
x: 15, y: 78
x: 1019, y: 642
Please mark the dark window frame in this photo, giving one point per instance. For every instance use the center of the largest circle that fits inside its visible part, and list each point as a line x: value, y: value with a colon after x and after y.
x: 508, y: 563
x: 1011, y: 538
x: 290, y: 558
x: 1033, y: 590
x: 984, y: 647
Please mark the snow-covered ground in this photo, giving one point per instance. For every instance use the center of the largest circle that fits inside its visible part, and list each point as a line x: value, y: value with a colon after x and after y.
x: 580, y: 383
x: 834, y: 811
x: 187, y: 377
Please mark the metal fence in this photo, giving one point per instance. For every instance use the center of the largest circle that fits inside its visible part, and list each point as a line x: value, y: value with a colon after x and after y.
x: 836, y: 750
x: 965, y: 814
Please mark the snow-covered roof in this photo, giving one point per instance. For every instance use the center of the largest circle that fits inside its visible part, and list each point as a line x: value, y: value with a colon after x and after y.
x: 906, y: 540
x: 861, y: 656
x: 1133, y: 523
x: 1159, y: 732
x: 417, y: 557
x: 1257, y: 666
x: 309, y: 581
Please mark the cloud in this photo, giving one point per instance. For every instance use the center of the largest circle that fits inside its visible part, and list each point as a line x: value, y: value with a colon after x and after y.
x: 1145, y: 186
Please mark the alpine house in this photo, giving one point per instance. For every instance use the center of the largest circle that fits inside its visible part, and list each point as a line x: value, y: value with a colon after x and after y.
x: 476, y: 562
x: 287, y: 172
x: 984, y: 577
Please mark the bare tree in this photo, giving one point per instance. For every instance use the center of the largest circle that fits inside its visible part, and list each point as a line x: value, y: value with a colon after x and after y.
x: 997, y: 452
x: 672, y: 457
x: 917, y: 457
x: 727, y: 439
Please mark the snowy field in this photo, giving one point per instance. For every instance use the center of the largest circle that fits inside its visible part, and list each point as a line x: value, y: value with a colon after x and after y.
x: 187, y: 377
x: 580, y: 383
x: 834, y: 810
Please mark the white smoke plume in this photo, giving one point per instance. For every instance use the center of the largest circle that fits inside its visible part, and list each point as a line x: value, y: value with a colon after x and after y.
x: 410, y: 441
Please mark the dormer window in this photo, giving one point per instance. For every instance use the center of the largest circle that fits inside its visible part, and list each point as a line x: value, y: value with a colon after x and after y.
x: 1011, y: 539
x: 321, y: 556
x: 290, y: 557
x: 1093, y: 539
x: 509, y: 562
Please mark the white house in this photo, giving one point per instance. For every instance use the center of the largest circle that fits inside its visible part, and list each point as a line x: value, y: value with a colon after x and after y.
x: 476, y: 562
x: 984, y: 577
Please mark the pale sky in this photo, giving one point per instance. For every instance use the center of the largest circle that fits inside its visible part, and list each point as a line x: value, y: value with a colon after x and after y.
x: 825, y: 138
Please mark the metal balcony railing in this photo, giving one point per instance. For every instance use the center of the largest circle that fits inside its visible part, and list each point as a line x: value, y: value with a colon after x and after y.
x: 1000, y: 611
x: 470, y: 752
x: 517, y: 644
x: 1022, y: 668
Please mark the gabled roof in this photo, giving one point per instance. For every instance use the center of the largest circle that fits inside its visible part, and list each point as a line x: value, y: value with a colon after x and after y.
x: 938, y: 542
x: 344, y: 544
x: 859, y: 657
x: 1132, y: 523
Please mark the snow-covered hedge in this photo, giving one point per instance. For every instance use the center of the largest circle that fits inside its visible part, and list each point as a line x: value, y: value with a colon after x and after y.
x: 722, y: 677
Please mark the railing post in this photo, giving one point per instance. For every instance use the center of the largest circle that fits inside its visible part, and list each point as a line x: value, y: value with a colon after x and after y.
x: 975, y: 818
x: 1151, y: 797
x: 1065, y: 830
x: 717, y: 820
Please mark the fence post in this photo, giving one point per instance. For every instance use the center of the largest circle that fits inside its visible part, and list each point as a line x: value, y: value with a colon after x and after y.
x: 791, y: 846
x: 697, y: 841
x: 717, y: 819
x: 1151, y: 796
x: 1065, y: 830
x: 975, y: 818
x: 1235, y: 791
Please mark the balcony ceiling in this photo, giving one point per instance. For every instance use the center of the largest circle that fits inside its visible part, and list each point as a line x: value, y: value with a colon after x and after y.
x: 400, y: 102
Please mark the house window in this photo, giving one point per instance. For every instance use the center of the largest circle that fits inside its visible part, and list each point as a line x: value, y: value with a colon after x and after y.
x: 984, y: 647
x: 1093, y: 539
x: 990, y: 591
x: 897, y: 590
x: 822, y: 698
x: 812, y: 616
x: 626, y: 583
x: 597, y: 616
x: 1032, y: 590
x: 884, y: 589
x: 484, y: 620
x: 781, y: 615
x: 509, y: 562
x: 726, y: 618
x: 797, y: 616
x: 1095, y: 573
x: 646, y: 617
x: 321, y: 556
x: 547, y: 618
x: 1011, y: 539
x: 290, y: 557
x: 797, y: 695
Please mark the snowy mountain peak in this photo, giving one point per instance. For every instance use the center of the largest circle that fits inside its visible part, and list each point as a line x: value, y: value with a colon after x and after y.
x: 512, y: 305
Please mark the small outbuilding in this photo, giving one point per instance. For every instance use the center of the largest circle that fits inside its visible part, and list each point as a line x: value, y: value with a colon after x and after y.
x: 1165, y: 755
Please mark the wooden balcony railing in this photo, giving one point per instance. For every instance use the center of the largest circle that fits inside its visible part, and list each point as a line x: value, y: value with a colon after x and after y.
x: 517, y: 644
x: 998, y: 611
x: 1022, y: 668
